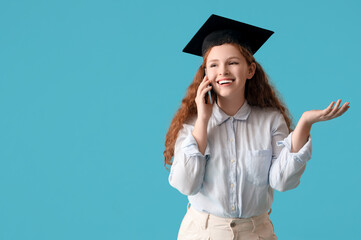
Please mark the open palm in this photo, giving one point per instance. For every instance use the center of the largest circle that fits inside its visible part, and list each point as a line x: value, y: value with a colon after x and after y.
x: 328, y: 113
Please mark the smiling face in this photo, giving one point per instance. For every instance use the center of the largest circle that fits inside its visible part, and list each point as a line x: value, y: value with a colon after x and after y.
x: 228, y: 70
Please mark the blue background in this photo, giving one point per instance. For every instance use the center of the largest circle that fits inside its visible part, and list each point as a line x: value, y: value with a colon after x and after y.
x: 88, y: 90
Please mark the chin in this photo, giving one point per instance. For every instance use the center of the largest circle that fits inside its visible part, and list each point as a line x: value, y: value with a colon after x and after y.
x: 224, y: 95
x: 228, y: 94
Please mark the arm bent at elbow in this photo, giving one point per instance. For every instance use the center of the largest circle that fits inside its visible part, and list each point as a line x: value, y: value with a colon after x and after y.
x: 288, y: 167
x: 188, y: 179
x: 187, y: 171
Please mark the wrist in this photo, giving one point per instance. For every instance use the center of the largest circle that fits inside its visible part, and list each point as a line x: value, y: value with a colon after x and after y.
x: 201, y: 125
x: 202, y: 120
x: 306, y: 120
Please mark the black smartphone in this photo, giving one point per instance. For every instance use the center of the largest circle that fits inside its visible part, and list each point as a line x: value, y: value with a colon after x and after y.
x: 209, y: 92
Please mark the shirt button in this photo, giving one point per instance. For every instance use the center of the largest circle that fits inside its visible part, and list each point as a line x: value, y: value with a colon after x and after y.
x: 233, y: 160
x: 233, y: 224
x: 231, y: 139
x: 233, y: 208
x: 232, y: 185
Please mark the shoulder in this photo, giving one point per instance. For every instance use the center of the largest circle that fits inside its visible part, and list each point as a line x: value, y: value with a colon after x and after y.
x: 185, y: 133
x: 268, y: 118
x: 267, y: 113
x: 187, y: 127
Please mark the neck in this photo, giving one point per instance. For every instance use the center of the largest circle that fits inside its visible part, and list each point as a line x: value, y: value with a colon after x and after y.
x: 230, y: 106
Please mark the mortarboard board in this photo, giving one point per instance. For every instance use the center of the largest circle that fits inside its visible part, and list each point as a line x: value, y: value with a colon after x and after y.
x: 218, y: 30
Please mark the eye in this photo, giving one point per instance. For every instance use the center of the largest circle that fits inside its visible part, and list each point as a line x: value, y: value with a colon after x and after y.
x: 213, y: 65
x: 233, y: 63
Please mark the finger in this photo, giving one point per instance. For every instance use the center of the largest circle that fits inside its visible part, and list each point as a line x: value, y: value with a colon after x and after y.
x: 339, y: 111
x: 327, y: 110
x: 204, y: 81
x: 342, y: 109
x: 204, y: 84
x: 334, y: 109
x: 201, y: 85
x: 205, y: 90
x: 204, y: 98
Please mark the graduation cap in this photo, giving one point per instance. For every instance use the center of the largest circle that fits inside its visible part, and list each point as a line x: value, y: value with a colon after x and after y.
x: 218, y: 30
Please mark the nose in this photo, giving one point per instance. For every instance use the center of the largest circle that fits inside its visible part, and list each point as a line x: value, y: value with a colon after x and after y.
x: 223, y: 70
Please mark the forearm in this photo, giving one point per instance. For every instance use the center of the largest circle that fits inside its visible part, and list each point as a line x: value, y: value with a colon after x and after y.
x: 187, y: 178
x: 200, y: 134
x: 300, y: 134
x: 187, y: 171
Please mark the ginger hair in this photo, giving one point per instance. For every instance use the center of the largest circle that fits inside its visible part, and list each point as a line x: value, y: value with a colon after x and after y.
x: 258, y: 92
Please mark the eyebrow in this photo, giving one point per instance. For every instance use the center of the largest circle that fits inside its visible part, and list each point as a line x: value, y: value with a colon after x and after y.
x: 214, y: 60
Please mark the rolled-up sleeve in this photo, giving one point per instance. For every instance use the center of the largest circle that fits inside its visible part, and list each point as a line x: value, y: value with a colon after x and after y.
x: 187, y: 170
x: 287, y: 167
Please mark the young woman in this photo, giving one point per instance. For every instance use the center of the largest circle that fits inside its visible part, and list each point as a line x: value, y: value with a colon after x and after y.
x: 232, y: 151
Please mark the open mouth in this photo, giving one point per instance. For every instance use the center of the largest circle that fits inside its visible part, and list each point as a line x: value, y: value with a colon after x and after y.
x: 225, y: 82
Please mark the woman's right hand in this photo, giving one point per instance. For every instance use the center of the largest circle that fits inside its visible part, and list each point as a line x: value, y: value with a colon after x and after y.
x: 204, y: 109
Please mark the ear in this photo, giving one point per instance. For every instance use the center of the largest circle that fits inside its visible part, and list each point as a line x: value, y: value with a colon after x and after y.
x: 251, y: 70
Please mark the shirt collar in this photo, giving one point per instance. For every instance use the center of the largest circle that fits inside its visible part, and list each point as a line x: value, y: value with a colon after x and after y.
x: 220, y: 116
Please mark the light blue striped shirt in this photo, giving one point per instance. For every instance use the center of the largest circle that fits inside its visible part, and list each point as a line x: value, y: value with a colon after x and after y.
x: 246, y: 158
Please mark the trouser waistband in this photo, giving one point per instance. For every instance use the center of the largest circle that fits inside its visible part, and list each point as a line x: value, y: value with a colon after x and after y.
x: 239, y: 224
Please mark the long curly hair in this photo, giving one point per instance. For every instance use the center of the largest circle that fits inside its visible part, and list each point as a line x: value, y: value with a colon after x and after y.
x: 258, y: 92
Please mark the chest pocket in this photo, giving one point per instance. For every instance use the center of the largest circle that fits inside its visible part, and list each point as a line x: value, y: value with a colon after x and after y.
x: 258, y: 163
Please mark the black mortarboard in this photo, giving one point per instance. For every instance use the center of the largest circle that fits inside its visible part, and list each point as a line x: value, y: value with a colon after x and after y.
x: 218, y: 30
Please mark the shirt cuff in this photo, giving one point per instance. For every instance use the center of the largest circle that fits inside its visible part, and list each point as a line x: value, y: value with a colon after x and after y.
x: 190, y: 147
x: 304, y: 154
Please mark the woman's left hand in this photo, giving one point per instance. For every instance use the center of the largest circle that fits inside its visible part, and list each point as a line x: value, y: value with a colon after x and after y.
x: 328, y: 113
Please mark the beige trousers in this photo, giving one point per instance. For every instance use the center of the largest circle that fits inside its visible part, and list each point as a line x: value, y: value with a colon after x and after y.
x: 202, y: 226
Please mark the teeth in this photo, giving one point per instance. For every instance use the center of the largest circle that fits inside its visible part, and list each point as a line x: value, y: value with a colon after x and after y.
x: 224, y: 81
